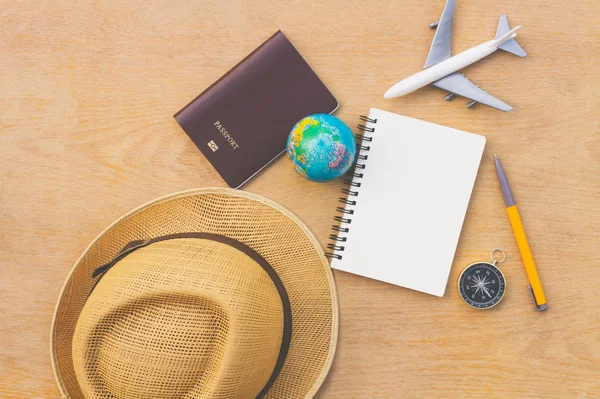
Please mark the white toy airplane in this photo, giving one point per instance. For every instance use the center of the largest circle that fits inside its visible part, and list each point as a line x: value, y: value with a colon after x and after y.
x: 441, y: 68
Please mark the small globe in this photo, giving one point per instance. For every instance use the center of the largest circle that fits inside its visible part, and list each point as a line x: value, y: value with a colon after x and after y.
x: 321, y: 147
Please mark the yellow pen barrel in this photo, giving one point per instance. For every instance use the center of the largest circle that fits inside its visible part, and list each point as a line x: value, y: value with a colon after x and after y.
x: 526, y: 256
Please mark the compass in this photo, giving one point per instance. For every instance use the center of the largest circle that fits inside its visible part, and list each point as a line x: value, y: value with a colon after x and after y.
x: 482, y: 285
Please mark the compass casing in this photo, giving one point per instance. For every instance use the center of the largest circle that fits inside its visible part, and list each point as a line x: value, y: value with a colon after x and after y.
x: 482, y: 285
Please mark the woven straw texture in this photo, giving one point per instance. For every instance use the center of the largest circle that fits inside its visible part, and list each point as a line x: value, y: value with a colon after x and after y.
x: 180, y: 318
x: 272, y: 231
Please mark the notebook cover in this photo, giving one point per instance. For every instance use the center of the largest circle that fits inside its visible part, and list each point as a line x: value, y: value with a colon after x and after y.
x: 411, y: 203
x: 242, y: 121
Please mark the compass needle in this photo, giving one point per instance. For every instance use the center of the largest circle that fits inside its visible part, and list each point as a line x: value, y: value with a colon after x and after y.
x: 487, y: 292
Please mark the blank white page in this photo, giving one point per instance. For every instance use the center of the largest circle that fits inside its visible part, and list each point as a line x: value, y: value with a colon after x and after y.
x: 411, y: 203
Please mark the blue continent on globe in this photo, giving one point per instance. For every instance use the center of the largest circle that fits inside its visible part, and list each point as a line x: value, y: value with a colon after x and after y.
x: 321, y: 147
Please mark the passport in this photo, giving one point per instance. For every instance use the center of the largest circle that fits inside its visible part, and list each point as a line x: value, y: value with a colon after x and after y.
x: 242, y: 121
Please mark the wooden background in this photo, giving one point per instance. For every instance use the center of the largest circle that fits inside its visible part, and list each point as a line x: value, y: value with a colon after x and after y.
x: 87, y: 94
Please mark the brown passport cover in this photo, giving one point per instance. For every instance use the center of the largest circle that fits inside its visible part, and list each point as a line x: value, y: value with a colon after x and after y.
x: 242, y: 121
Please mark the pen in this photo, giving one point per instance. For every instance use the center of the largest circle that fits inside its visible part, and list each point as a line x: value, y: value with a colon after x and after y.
x: 535, y: 285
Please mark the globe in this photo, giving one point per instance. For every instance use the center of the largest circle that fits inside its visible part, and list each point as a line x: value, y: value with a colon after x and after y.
x: 321, y: 147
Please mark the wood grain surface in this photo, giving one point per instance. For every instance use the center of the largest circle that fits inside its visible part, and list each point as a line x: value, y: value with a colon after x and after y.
x: 87, y: 94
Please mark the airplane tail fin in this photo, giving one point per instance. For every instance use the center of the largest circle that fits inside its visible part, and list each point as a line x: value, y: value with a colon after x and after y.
x: 511, y: 45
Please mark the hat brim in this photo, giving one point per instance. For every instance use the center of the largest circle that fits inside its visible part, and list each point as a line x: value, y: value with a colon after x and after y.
x: 265, y: 226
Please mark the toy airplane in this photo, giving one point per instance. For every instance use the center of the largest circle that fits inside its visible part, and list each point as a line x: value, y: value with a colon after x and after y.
x: 441, y: 68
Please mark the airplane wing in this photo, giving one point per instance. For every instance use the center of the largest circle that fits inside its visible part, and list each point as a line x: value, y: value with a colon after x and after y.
x: 456, y: 83
x: 441, y: 45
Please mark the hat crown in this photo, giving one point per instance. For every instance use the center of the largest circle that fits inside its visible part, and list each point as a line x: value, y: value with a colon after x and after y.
x: 180, y: 318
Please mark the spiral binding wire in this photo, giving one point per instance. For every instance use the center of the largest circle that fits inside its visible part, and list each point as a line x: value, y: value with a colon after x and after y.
x: 351, y: 192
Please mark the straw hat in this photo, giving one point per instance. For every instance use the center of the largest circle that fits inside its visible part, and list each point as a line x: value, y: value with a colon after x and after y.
x: 210, y: 293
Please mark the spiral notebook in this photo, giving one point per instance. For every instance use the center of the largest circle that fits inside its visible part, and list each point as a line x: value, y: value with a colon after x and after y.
x: 403, y: 210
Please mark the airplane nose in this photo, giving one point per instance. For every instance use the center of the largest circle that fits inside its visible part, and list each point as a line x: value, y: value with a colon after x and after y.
x: 396, y: 90
x: 389, y: 94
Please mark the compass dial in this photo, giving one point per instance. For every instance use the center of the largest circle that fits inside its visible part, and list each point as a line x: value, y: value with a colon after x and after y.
x: 481, y: 285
